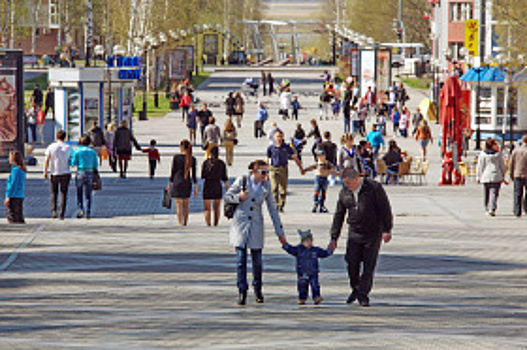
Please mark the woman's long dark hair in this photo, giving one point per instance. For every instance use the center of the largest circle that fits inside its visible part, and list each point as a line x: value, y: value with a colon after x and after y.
x: 214, y: 158
x: 187, y: 148
x: 18, y: 159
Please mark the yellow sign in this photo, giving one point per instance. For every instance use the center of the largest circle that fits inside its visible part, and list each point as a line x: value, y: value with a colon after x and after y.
x: 472, y: 36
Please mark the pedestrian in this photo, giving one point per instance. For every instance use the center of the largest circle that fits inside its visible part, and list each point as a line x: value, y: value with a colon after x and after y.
x: 367, y: 159
x: 57, y: 164
x: 85, y: 159
x: 250, y: 192
x: 270, y: 133
x: 348, y: 157
x: 355, y: 121
x: 315, y: 133
x: 375, y: 139
x: 296, y: 107
x: 122, y: 143
x: 37, y: 97
x: 402, y: 96
x: 363, y: 115
x: 370, y: 220
x: 50, y: 102
x: 203, y: 118
x: 41, y: 122
x: 347, y: 108
x: 15, y: 189
x: 403, y: 122
x: 370, y: 99
x: 213, y: 173
x: 239, y: 109
x: 423, y: 135
x: 329, y: 148
x: 325, y: 100
x: 229, y: 140
x: 299, y: 133
x: 416, y: 120
x: 212, y: 135
x: 286, y: 99
x: 192, y: 124
x: 182, y: 177
x: 260, y: 121
x: 31, y: 117
x: 153, y: 158
x: 97, y: 139
x: 270, y: 81
x: 392, y: 98
x: 335, y: 107
x: 490, y: 172
x: 323, y: 170
x: 396, y: 118
x: 264, y: 82
x: 278, y: 155
x: 108, y: 139
x: 307, y: 269
x: 185, y: 103
x: 230, y: 102
x: 518, y: 172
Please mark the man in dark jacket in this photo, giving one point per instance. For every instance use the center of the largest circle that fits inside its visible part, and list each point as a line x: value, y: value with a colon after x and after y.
x: 122, y: 144
x: 50, y: 102
x: 97, y: 139
x: 329, y: 148
x: 370, y: 222
x: 37, y: 96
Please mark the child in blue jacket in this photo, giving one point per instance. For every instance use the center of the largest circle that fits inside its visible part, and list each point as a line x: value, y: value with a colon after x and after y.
x: 15, y: 189
x: 307, y: 266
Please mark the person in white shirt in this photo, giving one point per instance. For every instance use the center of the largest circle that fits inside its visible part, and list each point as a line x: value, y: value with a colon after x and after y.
x: 57, y: 164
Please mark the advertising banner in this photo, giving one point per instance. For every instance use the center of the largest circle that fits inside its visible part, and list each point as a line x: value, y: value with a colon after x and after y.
x: 190, y: 56
x: 177, y: 64
x: 367, y: 74
x: 355, y: 60
x: 383, y: 70
x: 210, y: 44
x: 472, y: 36
x: 12, y: 135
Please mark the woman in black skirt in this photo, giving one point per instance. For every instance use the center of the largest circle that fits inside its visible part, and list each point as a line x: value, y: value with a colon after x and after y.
x: 182, y: 176
x: 213, y: 172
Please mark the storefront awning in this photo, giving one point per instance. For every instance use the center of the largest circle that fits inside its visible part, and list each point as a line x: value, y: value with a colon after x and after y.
x: 489, y: 74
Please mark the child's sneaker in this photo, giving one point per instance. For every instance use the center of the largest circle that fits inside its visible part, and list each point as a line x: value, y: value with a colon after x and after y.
x: 314, y: 210
x: 301, y: 302
x: 323, y: 209
x: 318, y: 300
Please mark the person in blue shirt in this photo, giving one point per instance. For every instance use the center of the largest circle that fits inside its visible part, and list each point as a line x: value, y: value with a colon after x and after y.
x: 307, y: 266
x: 296, y: 106
x: 335, y: 106
x: 15, y: 189
x: 375, y: 139
x: 396, y: 117
x: 86, y: 161
x: 260, y: 121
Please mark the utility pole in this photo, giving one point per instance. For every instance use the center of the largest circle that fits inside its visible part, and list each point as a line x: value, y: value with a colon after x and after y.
x: 59, y: 32
x: 89, y: 30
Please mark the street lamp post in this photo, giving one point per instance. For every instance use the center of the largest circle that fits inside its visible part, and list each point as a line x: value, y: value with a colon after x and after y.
x: 478, y: 115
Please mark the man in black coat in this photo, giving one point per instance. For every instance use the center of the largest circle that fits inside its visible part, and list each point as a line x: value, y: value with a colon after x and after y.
x: 370, y: 221
x: 38, y: 96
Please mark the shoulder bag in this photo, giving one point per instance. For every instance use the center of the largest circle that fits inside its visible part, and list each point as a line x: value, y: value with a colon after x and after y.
x: 230, y: 208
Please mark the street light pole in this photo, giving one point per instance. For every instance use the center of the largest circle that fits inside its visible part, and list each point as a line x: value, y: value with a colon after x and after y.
x: 89, y: 30
x: 478, y: 116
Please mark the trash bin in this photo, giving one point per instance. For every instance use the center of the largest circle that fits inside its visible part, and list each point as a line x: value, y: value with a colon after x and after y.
x: 142, y: 115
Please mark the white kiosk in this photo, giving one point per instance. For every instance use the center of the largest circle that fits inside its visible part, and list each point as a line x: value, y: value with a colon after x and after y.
x: 84, y: 95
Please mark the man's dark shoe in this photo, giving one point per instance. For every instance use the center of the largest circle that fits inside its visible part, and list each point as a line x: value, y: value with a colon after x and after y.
x: 54, y: 214
x: 364, y: 302
x: 80, y: 214
x: 242, y: 299
x: 259, y: 297
x: 351, y: 299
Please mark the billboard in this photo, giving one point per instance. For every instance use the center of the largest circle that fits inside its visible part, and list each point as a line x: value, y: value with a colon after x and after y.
x: 190, y: 56
x: 367, y: 74
x: 12, y: 126
x: 177, y: 64
x: 210, y: 44
x: 383, y: 70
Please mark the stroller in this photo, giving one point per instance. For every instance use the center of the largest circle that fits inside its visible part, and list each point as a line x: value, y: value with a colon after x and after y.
x: 250, y: 87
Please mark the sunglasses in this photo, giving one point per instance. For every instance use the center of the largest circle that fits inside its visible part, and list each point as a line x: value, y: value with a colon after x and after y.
x: 264, y: 172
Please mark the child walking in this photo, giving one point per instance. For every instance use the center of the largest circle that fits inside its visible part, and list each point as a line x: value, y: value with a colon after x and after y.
x: 296, y: 107
x: 153, y: 157
x: 335, y: 107
x: 192, y: 124
x: 15, y: 189
x: 307, y: 266
x: 323, y: 168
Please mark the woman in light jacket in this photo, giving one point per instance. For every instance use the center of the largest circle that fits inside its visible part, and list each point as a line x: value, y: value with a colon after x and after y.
x: 490, y: 172
x: 247, y: 226
x: 286, y: 103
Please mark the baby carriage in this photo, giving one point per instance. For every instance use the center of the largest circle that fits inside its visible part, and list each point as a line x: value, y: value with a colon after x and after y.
x: 250, y: 87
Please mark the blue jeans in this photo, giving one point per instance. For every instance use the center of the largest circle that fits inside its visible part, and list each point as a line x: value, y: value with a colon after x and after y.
x: 321, y: 186
x: 84, y: 183
x: 241, y: 257
x: 347, y: 125
x: 356, y: 126
x: 303, y: 287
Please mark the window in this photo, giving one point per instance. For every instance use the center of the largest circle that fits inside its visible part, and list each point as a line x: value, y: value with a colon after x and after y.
x: 460, y: 11
x: 485, y: 105
x: 54, y: 19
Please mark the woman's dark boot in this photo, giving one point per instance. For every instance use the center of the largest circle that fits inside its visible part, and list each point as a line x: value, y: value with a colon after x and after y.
x: 242, y: 298
x: 259, y: 296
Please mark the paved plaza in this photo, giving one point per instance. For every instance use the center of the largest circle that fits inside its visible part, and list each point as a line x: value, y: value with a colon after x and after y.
x: 130, y: 278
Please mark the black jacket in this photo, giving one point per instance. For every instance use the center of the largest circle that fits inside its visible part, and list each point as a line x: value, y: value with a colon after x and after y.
x: 367, y: 220
x: 122, y: 141
x: 330, y: 149
x: 97, y: 136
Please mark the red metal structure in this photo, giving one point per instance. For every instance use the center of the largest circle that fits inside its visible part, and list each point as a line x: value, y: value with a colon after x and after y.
x: 451, y: 131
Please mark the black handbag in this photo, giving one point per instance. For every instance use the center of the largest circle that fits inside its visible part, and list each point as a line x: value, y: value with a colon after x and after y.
x: 235, y: 141
x: 97, y: 182
x: 205, y: 145
x: 230, y: 208
x: 167, y: 199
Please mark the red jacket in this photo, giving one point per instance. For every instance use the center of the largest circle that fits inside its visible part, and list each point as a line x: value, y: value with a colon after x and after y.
x: 152, y: 153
